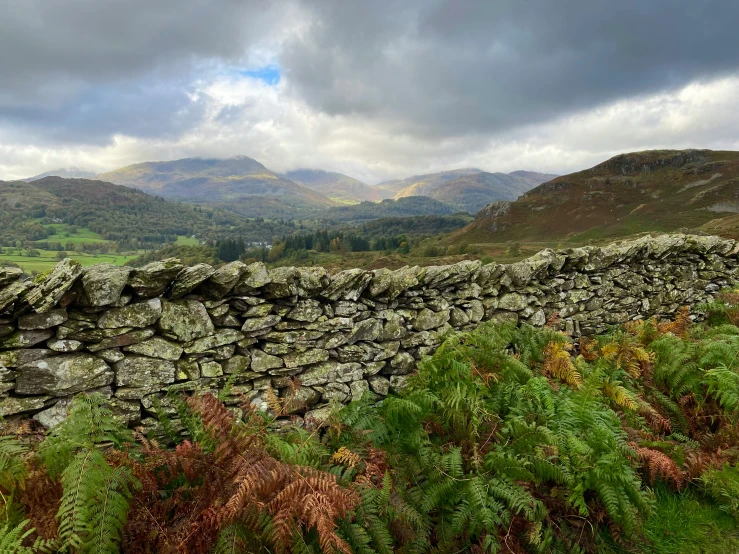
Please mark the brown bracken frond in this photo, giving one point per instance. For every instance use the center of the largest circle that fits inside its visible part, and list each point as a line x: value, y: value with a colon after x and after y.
x: 658, y: 465
x: 679, y: 326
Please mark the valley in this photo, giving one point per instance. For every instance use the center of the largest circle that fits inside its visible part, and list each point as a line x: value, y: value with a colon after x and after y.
x: 220, y: 210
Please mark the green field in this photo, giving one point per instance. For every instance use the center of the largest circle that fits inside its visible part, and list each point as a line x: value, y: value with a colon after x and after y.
x: 186, y: 241
x: 63, y: 235
x: 47, y: 260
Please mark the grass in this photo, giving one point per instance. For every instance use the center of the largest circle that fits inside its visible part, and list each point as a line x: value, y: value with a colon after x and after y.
x: 683, y: 523
x: 80, y: 236
x: 186, y: 241
x: 47, y: 260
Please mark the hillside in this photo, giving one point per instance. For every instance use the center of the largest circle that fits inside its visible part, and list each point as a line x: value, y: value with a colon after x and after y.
x: 242, y: 184
x: 658, y: 190
x: 470, y: 189
x: 67, y: 173
x: 403, y: 207
x: 34, y: 212
x: 473, y: 192
x: 336, y: 186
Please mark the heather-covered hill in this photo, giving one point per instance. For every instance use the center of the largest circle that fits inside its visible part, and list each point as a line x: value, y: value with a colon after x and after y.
x: 657, y: 191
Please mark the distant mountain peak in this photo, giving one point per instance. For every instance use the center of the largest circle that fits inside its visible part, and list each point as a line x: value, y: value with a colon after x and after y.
x: 65, y: 172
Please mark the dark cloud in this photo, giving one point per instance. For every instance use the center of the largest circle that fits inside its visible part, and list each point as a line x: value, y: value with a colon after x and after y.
x: 462, y: 66
x: 84, y: 70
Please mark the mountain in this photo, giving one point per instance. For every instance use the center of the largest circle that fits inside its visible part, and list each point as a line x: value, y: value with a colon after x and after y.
x: 656, y: 190
x: 425, y: 185
x: 336, y: 186
x: 403, y: 207
x: 470, y: 189
x: 33, y: 211
x: 67, y: 173
x: 241, y: 183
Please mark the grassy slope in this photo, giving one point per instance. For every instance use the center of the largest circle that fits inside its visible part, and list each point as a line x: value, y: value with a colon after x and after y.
x: 626, y: 195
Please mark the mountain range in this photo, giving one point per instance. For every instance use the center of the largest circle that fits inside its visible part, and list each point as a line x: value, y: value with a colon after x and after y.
x: 244, y: 185
x: 651, y: 191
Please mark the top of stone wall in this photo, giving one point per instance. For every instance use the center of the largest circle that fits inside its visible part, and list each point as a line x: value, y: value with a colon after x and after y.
x: 108, y: 285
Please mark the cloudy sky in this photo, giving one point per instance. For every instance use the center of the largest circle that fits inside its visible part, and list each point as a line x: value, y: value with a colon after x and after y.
x: 377, y: 89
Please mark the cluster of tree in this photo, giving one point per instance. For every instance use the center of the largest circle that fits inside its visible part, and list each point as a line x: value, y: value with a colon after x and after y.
x: 130, y: 218
x: 503, y: 440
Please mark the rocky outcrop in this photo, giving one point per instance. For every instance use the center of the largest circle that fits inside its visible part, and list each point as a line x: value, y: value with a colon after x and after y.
x: 135, y: 335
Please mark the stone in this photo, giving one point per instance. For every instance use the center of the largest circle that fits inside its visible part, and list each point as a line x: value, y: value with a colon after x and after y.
x: 51, y: 286
x: 140, y: 371
x: 300, y: 399
x: 111, y: 355
x: 400, y: 364
x: 8, y: 274
x: 140, y: 314
x: 257, y: 323
x: 155, y: 278
x: 189, y: 278
x: 367, y: 330
x: 65, y: 345
x: 512, y: 302
x: 283, y: 282
x: 16, y: 358
x: 125, y: 411
x: 318, y: 417
x: 124, y: 339
x: 236, y: 364
x: 476, y: 311
x: 298, y: 359
x: 458, y: 317
x: 6, y: 329
x: 157, y: 347
x: 379, y: 384
x: 211, y: 369
x: 11, y: 406
x: 219, y: 338
x: 25, y: 339
x: 260, y: 310
x: 338, y: 392
x: 306, y: 310
x: 10, y: 294
x: 428, y: 319
x: 223, y: 279
x: 54, y: 415
x: 187, y: 370
x: 255, y: 276
x: 358, y: 389
x: 224, y: 352
x: 261, y: 361
x: 44, y: 320
x: 185, y: 320
x: 538, y: 319
x: 63, y: 375
x: 395, y: 328
x: 102, y: 284
x: 348, y: 284
x: 398, y: 382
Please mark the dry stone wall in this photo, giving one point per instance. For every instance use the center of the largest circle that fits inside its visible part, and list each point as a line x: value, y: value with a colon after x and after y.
x: 135, y: 334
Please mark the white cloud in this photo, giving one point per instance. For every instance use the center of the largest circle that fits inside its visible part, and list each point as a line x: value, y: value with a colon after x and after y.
x: 244, y: 116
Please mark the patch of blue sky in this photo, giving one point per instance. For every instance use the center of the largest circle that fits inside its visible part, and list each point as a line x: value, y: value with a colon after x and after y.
x: 269, y: 74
